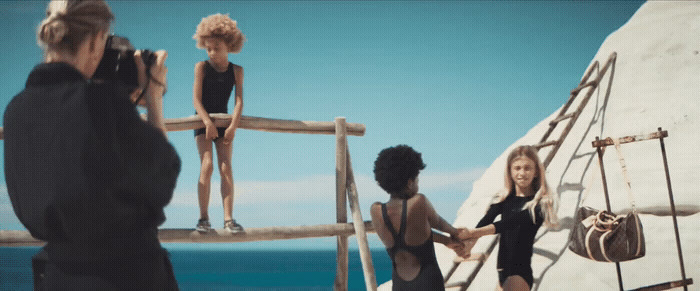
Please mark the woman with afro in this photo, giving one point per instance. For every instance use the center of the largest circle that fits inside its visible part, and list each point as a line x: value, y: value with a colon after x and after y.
x: 214, y: 80
x: 405, y: 222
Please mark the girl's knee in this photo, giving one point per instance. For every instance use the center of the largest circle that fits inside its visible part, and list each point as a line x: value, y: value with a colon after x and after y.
x: 207, y: 168
x: 225, y: 170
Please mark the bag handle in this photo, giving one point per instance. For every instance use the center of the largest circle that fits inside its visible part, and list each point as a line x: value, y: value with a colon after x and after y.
x: 623, y: 165
x: 630, y: 195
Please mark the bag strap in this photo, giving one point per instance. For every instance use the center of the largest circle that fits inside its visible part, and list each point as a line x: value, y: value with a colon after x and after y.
x: 590, y: 182
x: 625, y: 175
x: 630, y: 195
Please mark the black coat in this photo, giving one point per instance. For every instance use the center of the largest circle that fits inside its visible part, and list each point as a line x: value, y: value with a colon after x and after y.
x: 84, y: 172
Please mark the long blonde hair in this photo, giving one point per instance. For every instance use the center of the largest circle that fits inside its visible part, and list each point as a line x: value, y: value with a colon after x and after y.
x: 548, y: 200
x: 69, y: 22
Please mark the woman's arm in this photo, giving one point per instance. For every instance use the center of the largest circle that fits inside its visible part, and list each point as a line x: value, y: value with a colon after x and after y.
x: 522, y: 217
x: 147, y: 165
x: 238, y: 108
x: 155, y: 88
x: 459, y: 247
x: 211, y: 131
x: 490, y: 216
x: 481, y: 231
x: 435, y: 220
x: 483, y: 227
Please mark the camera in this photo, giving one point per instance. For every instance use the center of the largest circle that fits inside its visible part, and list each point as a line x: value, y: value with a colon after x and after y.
x: 118, y: 65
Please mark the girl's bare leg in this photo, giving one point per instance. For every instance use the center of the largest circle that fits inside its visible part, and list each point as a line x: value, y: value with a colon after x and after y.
x: 204, y: 185
x: 223, y: 155
x: 515, y: 283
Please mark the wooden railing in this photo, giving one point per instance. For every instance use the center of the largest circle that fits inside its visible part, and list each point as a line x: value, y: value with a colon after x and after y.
x: 259, y: 124
x: 345, y: 189
x: 21, y: 238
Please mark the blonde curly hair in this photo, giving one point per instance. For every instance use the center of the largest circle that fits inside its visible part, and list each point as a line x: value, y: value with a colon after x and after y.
x: 220, y: 26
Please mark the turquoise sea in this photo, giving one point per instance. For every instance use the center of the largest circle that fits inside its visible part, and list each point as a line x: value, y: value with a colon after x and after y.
x: 230, y: 269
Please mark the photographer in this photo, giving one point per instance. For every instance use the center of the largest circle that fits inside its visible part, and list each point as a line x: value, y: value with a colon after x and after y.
x: 84, y: 172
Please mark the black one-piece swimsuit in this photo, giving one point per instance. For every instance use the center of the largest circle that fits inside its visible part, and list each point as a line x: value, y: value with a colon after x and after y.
x: 429, y: 277
x: 517, y: 236
x: 216, y: 91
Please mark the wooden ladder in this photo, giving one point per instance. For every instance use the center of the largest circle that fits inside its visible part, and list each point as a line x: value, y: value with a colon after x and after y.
x: 480, y: 258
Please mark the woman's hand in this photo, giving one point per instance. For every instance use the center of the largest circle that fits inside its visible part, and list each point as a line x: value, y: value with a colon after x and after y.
x: 156, y: 87
x: 141, y: 77
x: 211, y: 131
x: 229, y: 134
x: 465, y: 234
x: 477, y: 232
x: 158, y: 69
x: 469, y: 244
x: 463, y: 248
x: 158, y: 73
x: 460, y: 249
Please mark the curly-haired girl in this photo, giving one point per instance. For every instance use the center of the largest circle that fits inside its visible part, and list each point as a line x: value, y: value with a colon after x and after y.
x: 214, y: 80
x: 405, y: 222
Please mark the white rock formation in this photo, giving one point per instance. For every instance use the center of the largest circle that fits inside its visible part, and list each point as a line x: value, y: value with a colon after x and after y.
x: 656, y: 83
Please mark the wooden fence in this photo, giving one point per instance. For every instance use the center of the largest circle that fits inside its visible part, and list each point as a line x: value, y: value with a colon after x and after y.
x: 346, y: 191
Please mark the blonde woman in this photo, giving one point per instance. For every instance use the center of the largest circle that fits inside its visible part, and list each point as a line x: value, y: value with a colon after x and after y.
x: 214, y: 80
x: 85, y: 173
x: 525, y: 203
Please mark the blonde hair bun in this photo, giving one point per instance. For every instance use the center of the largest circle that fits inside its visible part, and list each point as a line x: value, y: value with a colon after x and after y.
x: 53, y: 30
x: 70, y: 22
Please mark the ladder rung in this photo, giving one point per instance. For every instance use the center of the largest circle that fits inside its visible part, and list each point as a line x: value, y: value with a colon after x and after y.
x: 546, y: 144
x: 456, y: 284
x: 579, y: 88
x: 667, y: 285
x: 560, y: 118
x: 475, y: 257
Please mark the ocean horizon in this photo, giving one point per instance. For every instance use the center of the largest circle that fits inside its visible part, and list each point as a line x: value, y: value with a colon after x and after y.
x: 219, y: 268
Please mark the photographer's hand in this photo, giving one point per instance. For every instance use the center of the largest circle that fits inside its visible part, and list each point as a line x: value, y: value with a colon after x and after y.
x: 155, y: 89
x: 159, y: 70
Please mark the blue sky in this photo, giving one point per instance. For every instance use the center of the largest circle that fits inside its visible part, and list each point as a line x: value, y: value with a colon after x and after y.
x: 458, y: 81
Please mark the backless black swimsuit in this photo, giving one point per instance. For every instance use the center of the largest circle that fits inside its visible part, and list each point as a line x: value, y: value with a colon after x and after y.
x: 429, y: 276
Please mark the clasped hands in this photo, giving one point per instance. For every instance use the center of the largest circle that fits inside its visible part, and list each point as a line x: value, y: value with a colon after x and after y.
x: 463, y: 242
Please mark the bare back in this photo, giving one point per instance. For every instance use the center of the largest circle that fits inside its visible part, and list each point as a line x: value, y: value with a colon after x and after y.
x: 417, y: 231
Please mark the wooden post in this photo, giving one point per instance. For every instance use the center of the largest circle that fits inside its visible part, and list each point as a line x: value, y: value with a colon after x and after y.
x: 673, y: 207
x: 601, y: 151
x: 360, y: 232
x: 341, y: 142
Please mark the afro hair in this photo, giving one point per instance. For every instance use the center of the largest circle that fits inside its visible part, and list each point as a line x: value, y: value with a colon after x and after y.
x: 220, y: 26
x: 395, y: 166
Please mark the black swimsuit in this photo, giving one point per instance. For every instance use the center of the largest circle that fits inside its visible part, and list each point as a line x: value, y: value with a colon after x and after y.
x: 429, y: 277
x: 517, y: 236
x: 216, y: 92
